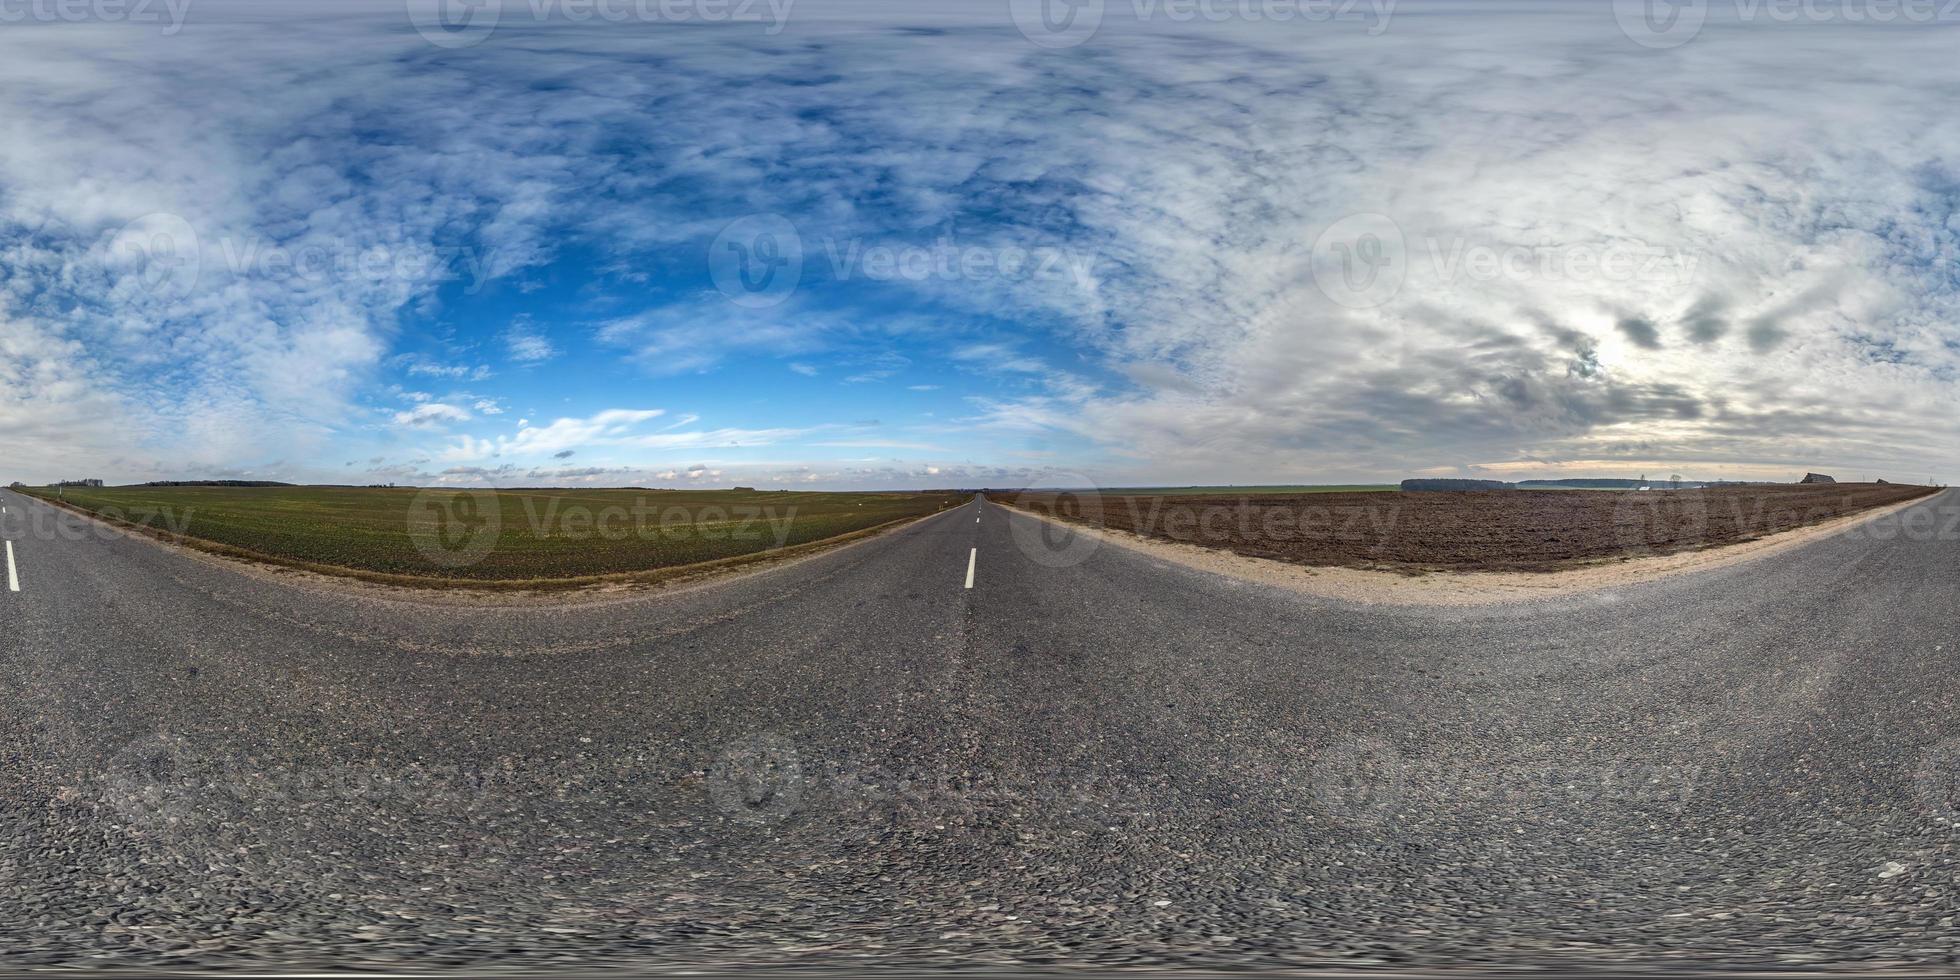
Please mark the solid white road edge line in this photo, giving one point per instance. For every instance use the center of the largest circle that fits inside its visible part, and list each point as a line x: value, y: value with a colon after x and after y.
x: 13, y: 577
x: 971, y: 557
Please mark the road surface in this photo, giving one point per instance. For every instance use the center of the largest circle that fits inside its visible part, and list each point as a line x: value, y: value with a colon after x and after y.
x: 956, y: 745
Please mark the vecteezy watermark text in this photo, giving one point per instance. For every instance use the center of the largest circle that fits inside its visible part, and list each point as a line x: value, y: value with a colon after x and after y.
x: 343, y: 261
x: 1364, y: 260
x: 1067, y: 23
x: 1456, y: 258
x: 1665, y: 24
x: 166, y: 256
x: 772, y: 13
x: 465, y: 23
x: 647, y: 521
x: 170, y: 14
x: 113, y: 522
x: 459, y: 528
x: 758, y: 261
x: 948, y: 260
x: 1249, y: 520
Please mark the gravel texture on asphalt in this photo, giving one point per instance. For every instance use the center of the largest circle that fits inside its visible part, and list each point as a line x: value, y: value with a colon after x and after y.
x: 1088, y: 759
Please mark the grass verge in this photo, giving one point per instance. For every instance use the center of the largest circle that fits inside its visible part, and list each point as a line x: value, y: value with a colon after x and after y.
x: 503, y: 540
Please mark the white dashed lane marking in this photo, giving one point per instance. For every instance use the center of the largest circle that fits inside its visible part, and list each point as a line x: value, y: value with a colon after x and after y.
x: 972, y: 557
x: 13, y: 577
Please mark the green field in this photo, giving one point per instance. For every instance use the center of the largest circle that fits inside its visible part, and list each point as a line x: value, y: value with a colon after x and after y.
x: 530, y: 537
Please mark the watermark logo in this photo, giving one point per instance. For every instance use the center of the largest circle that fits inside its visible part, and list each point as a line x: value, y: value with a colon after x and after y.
x: 1056, y: 542
x: 466, y: 23
x: 1920, y: 523
x: 1364, y: 260
x: 1457, y: 259
x: 161, y: 252
x: 1663, y: 24
x: 1358, y: 782
x: 1067, y: 23
x: 455, y: 23
x: 1056, y: 23
x: 758, y: 779
x: 946, y: 260
x: 455, y: 528
x: 1361, y: 260
x: 757, y: 260
x: 58, y: 524
x: 646, y: 520
x: 150, y: 782
x: 165, y: 256
x: 171, y: 14
x: 1659, y: 520
x: 1252, y: 521
x: 1660, y: 24
x: 1936, y: 783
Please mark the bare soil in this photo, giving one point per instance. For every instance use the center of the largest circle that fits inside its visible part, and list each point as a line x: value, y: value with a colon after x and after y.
x: 1495, y: 531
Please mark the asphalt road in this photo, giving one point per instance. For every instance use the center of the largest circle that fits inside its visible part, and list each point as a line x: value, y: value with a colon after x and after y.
x: 861, y: 761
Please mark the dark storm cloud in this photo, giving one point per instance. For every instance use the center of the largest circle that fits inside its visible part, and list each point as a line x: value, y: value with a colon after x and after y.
x: 1640, y: 332
x: 1704, y: 323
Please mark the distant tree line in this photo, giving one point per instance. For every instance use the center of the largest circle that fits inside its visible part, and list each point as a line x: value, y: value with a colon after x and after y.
x: 1455, y: 485
x: 211, y: 483
x: 1578, y: 483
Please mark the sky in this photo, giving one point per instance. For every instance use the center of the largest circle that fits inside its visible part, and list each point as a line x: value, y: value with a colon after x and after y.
x: 840, y: 244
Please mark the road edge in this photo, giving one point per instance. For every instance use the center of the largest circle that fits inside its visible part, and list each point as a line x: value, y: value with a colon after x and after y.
x: 1448, y: 588
x: 421, y: 590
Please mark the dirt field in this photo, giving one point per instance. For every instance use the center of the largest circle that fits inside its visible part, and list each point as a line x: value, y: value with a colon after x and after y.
x: 1503, y: 530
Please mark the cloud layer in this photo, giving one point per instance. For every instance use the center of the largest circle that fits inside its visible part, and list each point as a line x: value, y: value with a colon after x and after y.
x: 1469, y: 238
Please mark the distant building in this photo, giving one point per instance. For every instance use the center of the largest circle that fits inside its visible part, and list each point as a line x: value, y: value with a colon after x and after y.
x: 1816, y: 478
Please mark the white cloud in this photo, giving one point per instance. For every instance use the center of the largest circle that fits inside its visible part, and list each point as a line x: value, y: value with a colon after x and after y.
x: 422, y: 365
x: 925, y: 447
x: 998, y: 357
x: 605, y: 427
x: 431, y: 415
x: 697, y: 337
x: 527, y: 346
x: 613, y: 429
x: 715, y: 438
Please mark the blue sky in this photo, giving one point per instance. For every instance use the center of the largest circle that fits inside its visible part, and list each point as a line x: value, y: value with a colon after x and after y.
x: 846, y: 244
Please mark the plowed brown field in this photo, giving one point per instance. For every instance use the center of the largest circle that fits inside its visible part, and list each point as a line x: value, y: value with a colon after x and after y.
x: 1500, y: 530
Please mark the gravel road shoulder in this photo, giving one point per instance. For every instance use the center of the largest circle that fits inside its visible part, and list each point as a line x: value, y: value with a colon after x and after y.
x: 1473, y: 588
